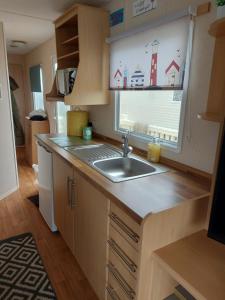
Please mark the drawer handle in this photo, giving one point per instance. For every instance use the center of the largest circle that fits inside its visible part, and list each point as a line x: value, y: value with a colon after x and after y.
x: 124, y: 227
x: 112, y: 293
x: 131, y: 265
x: 124, y: 285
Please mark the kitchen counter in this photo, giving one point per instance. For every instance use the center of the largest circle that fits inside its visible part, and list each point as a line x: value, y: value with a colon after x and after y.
x: 143, y: 196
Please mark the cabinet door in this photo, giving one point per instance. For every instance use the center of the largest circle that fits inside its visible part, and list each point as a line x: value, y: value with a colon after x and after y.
x: 64, y: 212
x: 91, y: 227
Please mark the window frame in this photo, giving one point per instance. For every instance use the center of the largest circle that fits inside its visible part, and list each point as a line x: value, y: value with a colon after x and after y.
x: 185, y: 105
x: 146, y: 139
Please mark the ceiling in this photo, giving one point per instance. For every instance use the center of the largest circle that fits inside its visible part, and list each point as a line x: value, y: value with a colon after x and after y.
x: 32, y: 20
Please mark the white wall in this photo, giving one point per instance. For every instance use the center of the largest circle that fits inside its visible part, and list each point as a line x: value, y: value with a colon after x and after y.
x: 8, y: 167
x: 200, y: 137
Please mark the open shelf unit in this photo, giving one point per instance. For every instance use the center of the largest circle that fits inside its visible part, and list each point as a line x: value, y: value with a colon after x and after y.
x: 80, y: 43
x: 197, y: 263
x: 71, y: 41
x: 67, y: 42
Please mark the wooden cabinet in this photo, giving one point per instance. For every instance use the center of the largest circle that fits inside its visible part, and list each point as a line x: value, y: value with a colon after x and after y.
x: 91, y: 228
x: 31, y: 129
x: 81, y: 215
x: 80, y: 43
x: 215, y: 110
x: 115, y: 251
x: 64, y: 198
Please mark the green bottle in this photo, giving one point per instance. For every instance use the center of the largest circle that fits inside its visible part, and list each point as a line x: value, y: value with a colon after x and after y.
x: 87, y: 133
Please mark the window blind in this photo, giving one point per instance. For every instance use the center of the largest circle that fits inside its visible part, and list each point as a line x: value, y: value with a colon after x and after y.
x: 35, y: 79
x: 152, y: 59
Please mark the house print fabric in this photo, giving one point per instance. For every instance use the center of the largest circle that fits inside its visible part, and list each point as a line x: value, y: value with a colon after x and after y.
x: 154, y: 58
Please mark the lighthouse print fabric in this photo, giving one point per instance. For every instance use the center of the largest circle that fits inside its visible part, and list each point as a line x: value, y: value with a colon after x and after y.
x: 154, y: 58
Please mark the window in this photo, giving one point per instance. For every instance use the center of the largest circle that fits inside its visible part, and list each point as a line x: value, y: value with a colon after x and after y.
x: 60, y: 109
x: 38, y: 100
x: 149, y: 70
x: 61, y: 119
x: 150, y: 114
x: 36, y: 82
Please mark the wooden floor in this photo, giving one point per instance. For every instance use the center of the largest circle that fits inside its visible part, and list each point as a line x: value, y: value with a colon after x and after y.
x: 19, y: 215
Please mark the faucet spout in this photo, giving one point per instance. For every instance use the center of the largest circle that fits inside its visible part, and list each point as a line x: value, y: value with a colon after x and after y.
x: 125, y: 146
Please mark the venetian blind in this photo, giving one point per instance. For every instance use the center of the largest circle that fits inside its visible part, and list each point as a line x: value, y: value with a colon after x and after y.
x: 152, y: 59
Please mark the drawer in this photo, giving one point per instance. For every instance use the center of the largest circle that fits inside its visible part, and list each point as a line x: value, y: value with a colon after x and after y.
x: 125, y: 225
x: 125, y: 273
x: 111, y: 293
x: 123, y: 244
x: 119, y: 285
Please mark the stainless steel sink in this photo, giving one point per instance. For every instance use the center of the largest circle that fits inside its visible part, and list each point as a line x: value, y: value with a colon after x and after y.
x: 108, y: 161
x: 121, y: 168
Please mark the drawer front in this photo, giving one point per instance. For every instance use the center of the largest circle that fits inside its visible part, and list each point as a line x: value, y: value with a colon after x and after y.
x: 119, y: 284
x: 123, y: 244
x: 126, y: 218
x: 122, y: 257
x: 125, y: 273
x: 125, y: 229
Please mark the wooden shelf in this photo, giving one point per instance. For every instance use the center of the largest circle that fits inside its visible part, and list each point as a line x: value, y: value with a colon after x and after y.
x: 70, y: 40
x: 197, y: 263
x: 217, y: 28
x: 211, y: 117
x: 68, y: 55
x: 53, y: 95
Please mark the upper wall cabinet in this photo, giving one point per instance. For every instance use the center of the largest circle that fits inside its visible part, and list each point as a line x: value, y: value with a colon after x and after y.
x: 80, y: 43
x: 216, y: 101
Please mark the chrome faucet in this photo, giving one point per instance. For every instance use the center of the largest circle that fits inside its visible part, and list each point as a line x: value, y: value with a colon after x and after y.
x: 125, y: 146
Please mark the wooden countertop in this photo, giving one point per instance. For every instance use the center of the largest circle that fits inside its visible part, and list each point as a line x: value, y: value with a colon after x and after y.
x: 142, y: 196
x: 197, y: 263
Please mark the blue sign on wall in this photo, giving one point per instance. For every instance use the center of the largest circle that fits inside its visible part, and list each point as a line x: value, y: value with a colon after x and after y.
x: 117, y: 17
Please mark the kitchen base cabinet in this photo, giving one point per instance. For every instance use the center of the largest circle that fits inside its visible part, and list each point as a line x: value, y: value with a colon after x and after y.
x: 64, y: 197
x: 91, y: 229
x: 113, y: 246
x: 31, y: 129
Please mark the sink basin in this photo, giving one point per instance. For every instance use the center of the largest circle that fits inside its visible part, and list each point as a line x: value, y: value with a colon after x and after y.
x: 120, y: 168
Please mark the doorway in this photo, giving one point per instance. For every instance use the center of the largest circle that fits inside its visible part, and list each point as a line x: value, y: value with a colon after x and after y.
x: 17, y: 89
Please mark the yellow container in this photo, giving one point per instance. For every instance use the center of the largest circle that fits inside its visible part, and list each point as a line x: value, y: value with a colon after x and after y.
x: 154, y: 151
x: 76, y: 121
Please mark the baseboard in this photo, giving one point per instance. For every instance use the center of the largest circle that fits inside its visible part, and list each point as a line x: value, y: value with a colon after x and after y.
x: 8, y: 193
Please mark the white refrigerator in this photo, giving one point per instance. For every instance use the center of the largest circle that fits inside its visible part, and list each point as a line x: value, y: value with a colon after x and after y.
x: 45, y: 185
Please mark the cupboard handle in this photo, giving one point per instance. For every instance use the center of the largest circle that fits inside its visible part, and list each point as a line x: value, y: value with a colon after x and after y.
x: 112, y: 293
x: 130, y: 264
x: 123, y: 284
x: 69, y: 181
x: 73, y: 194
x: 124, y: 227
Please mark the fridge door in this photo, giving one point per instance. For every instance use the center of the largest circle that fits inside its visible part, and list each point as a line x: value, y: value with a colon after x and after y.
x: 45, y: 184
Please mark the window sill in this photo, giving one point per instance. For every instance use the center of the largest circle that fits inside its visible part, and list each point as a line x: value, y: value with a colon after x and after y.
x: 145, y: 140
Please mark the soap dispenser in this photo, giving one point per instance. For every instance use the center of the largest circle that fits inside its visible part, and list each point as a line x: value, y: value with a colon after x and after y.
x: 154, y: 150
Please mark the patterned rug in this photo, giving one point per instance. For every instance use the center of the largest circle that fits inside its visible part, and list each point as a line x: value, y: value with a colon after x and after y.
x: 22, y: 274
